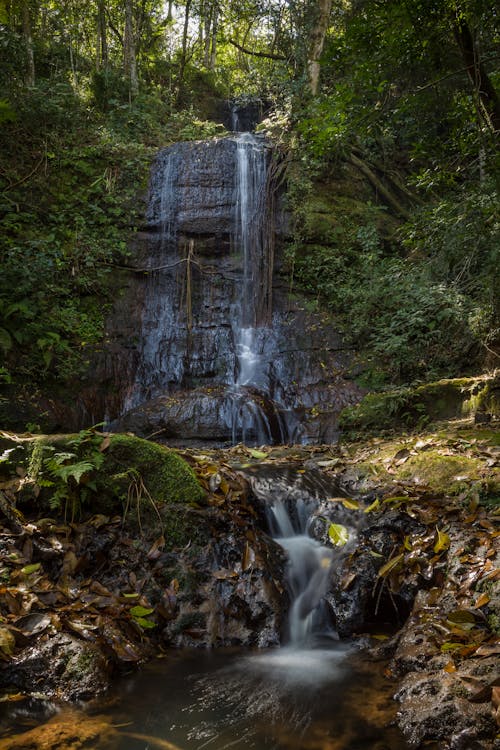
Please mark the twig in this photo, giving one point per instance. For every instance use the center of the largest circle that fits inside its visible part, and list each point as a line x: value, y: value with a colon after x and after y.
x: 23, y: 179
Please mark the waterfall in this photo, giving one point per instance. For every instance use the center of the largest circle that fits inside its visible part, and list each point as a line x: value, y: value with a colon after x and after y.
x: 308, y: 568
x: 217, y: 353
x: 251, y: 418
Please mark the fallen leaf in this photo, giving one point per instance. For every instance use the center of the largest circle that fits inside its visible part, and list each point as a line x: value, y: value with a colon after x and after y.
x: 338, y: 534
x: 7, y: 641
x: 481, y: 600
x: 442, y: 541
x: 156, y: 549
x: 224, y: 574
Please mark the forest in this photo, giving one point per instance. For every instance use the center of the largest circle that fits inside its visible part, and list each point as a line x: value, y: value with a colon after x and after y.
x: 402, y: 94
x: 249, y: 384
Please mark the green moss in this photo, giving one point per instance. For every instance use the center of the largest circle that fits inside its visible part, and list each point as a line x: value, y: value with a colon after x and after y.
x: 414, y: 407
x: 150, y: 481
x: 166, y: 476
x: 439, y: 473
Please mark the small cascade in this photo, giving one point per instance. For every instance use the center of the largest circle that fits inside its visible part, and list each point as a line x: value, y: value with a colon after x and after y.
x: 308, y: 570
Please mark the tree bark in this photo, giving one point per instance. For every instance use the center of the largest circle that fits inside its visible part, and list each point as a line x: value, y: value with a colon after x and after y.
x: 102, y: 56
x: 28, y: 42
x: 316, y: 42
x: 129, y: 52
x: 489, y: 102
x: 183, y: 62
x: 213, y: 48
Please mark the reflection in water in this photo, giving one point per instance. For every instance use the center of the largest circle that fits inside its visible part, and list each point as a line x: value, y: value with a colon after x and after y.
x: 325, y: 699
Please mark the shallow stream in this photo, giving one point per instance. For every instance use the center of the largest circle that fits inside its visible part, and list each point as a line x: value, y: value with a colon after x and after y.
x: 286, y: 699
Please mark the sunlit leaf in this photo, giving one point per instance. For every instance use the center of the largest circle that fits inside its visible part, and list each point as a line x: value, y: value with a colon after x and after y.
x: 145, y: 624
x: 450, y: 646
x: 442, y: 541
x: 28, y: 569
x: 338, y: 534
x: 481, y: 600
x: 7, y: 641
x: 257, y: 454
x: 374, y: 506
x: 139, y: 611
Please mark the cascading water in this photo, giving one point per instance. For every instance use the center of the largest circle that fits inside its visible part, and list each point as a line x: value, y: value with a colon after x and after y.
x: 308, y: 571
x: 218, y: 351
x: 253, y: 310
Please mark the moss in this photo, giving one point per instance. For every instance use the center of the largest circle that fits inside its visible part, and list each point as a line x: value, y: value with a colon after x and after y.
x: 416, y: 406
x: 166, y: 476
x: 152, y: 481
x: 439, y: 473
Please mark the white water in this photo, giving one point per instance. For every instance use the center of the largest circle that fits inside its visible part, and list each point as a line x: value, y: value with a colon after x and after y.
x: 307, y: 573
x: 250, y: 205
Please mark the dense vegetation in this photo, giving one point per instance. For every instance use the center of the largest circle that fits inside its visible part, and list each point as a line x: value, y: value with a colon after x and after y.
x: 400, y: 95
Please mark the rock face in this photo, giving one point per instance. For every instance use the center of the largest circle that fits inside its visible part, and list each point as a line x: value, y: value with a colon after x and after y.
x: 207, y: 344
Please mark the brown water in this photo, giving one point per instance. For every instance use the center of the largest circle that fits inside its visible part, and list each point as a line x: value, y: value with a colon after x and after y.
x: 287, y: 699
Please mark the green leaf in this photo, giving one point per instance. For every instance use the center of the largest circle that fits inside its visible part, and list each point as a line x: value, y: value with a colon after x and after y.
x: 338, y: 534
x: 139, y: 611
x: 374, y: 506
x: 146, y: 624
x: 256, y: 454
x: 7, y: 641
x: 442, y: 541
x: 76, y: 471
x: 28, y: 569
x: 450, y: 646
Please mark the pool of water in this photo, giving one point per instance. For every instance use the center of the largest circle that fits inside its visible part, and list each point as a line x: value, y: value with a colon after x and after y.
x: 284, y: 699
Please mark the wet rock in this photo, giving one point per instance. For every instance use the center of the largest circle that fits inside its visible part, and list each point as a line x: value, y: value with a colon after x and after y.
x: 61, y: 667
x: 230, y: 590
x: 434, y: 708
x: 67, y: 730
x: 357, y: 597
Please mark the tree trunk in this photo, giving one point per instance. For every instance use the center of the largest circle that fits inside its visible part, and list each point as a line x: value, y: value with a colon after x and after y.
x: 183, y: 62
x: 207, y: 21
x: 102, y: 38
x: 489, y: 103
x: 129, y: 52
x: 213, y: 51
x: 28, y: 42
x: 316, y: 42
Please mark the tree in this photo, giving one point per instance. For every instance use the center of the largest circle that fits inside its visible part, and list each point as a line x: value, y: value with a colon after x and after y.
x: 129, y: 50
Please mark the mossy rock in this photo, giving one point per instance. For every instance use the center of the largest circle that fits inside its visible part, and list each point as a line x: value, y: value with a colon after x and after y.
x: 416, y: 406
x: 166, y: 476
x: 106, y: 474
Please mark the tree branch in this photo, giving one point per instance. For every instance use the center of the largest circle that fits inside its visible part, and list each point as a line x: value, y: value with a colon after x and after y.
x: 255, y: 53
